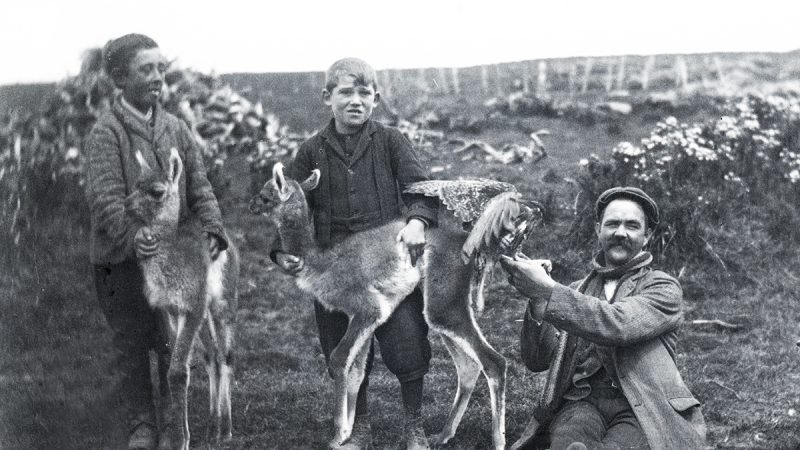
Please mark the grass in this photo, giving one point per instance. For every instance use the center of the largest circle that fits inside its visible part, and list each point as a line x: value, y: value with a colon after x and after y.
x: 57, y: 384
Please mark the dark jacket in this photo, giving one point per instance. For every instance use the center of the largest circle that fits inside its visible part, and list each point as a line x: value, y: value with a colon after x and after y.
x: 112, y: 172
x: 373, y: 179
x: 640, y: 326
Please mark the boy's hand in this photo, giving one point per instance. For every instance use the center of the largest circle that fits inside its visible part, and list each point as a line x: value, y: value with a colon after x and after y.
x: 145, y: 243
x: 413, y: 236
x: 289, y: 264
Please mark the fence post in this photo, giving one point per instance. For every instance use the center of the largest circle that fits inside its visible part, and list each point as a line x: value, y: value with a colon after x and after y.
x: 718, y: 66
x: 312, y: 81
x: 526, y: 77
x: 386, y: 89
x: 587, y: 73
x: 499, y: 84
x: 422, y: 81
x: 442, y: 81
x: 621, y: 73
x: 456, y: 84
x: 573, y: 73
x: 541, y: 79
x: 681, y: 72
x: 648, y: 67
x: 609, y: 75
x: 485, y: 79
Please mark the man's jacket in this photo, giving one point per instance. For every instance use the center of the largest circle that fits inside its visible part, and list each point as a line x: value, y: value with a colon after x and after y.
x: 640, y: 327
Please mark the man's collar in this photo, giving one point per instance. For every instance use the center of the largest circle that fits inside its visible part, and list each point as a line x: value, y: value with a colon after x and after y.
x: 643, y: 259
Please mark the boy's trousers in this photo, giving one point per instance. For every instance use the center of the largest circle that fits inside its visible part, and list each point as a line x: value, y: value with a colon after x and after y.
x: 403, y: 338
x: 120, y: 292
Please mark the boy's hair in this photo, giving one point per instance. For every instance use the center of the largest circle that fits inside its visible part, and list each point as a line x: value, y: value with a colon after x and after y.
x: 119, y: 52
x: 363, y: 73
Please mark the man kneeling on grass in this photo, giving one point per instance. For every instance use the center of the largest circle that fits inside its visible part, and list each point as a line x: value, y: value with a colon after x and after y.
x: 614, y: 382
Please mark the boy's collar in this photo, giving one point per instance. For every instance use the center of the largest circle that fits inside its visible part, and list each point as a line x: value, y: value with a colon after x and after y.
x: 369, y: 127
x: 136, y: 113
x: 329, y: 134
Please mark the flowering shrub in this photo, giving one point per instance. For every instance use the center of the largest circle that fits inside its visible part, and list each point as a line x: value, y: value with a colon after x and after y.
x: 737, y: 170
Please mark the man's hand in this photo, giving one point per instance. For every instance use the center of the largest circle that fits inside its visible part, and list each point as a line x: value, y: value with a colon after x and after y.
x: 213, y: 245
x: 145, y: 243
x: 289, y: 264
x: 413, y: 235
x: 529, y: 276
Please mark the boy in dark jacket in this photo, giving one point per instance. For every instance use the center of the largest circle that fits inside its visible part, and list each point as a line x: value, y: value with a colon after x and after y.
x: 365, y: 167
x: 136, y: 121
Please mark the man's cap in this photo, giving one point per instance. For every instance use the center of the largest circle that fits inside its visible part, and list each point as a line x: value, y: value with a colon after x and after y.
x: 631, y: 193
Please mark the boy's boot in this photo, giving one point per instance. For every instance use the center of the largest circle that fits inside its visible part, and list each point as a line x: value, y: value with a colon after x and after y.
x: 144, y: 433
x: 413, y: 432
x: 360, y: 438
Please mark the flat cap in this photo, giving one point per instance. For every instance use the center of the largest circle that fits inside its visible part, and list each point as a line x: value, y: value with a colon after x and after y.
x: 631, y: 193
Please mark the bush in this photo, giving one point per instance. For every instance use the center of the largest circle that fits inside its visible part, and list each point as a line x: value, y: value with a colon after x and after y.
x: 41, y: 156
x: 722, y: 186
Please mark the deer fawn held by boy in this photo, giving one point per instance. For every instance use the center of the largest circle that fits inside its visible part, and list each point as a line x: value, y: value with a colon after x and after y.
x: 369, y: 274
x: 192, y: 294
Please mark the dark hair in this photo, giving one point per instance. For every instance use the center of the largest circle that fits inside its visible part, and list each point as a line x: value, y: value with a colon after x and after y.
x: 119, y: 52
x: 637, y: 195
x: 357, y: 68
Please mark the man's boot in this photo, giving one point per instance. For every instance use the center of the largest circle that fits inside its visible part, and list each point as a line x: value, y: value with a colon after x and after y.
x: 360, y: 438
x: 413, y: 432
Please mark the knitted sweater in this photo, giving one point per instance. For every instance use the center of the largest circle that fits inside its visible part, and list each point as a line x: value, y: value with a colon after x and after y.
x: 112, y: 172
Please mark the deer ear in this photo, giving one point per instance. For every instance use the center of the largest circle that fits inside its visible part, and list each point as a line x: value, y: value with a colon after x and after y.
x: 175, y: 166
x: 311, y: 182
x: 280, y: 182
x: 142, y: 163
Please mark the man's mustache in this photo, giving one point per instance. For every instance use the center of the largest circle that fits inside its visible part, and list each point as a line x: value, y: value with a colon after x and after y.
x: 621, y: 243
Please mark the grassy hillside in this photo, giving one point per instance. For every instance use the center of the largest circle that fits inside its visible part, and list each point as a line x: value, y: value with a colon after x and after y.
x: 57, y: 377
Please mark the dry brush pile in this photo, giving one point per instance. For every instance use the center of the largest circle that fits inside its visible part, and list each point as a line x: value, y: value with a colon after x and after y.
x: 41, y: 156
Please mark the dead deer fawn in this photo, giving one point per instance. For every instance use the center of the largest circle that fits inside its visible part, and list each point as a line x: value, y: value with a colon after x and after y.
x: 369, y: 274
x: 191, y: 292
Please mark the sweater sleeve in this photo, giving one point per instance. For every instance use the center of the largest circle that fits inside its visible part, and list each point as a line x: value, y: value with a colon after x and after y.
x: 654, y: 309
x: 407, y: 169
x: 106, y: 189
x: 199, y: 194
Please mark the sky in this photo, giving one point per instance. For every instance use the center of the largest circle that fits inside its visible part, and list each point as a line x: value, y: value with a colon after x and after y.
x: 42, y: 40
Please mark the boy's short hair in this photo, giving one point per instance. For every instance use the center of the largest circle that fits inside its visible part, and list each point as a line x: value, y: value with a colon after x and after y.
x: 357, y: 68
x: 119, y: 52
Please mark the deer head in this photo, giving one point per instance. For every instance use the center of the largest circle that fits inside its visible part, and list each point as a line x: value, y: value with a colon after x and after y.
x: 282, y: 192
x: 156, y: 200
x: 283, y: 200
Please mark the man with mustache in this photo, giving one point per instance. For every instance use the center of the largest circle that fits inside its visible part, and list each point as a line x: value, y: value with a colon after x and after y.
x: 609, y: 341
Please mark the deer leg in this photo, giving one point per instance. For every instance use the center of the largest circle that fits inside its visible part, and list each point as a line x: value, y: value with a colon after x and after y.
x: 359, y: 331
x: 177, y: 423
x: 354, y: 379
x: 163, y: 356
x: 448, y: 311
x: 209, y: 337
x: 472, y: 342
x: 468, y: 370
x: 225, y: 338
